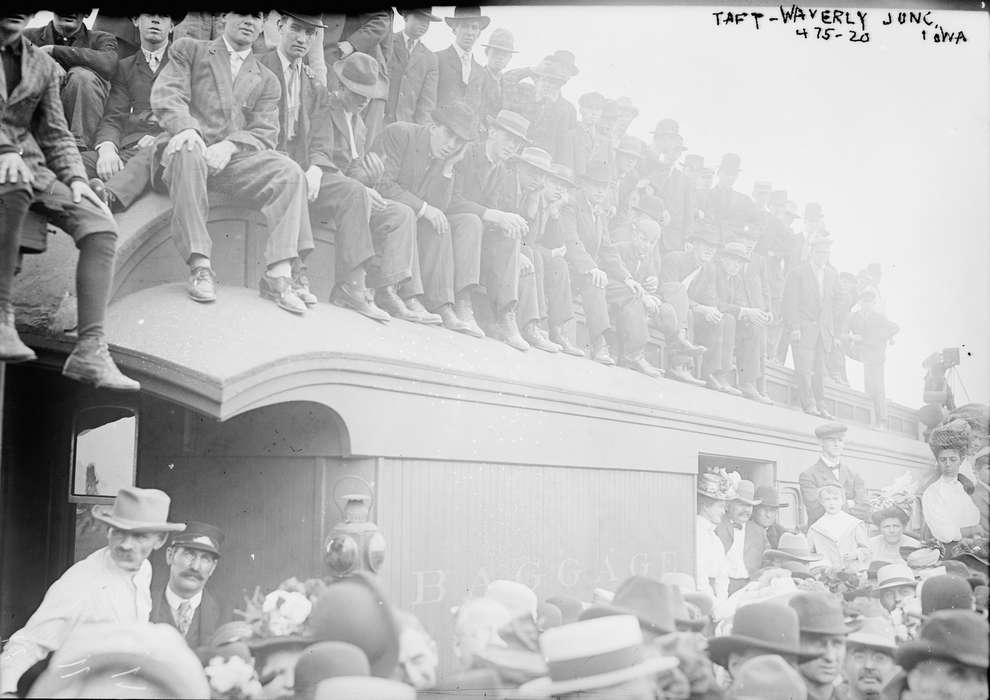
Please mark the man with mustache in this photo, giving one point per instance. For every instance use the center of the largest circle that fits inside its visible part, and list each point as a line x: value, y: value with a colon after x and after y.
x: 744, y: 540
x: 184, y: 602
x: 113, y: 584
x: 869, y: 659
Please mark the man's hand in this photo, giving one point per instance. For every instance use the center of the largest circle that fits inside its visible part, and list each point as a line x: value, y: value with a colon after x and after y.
x: 453, y: 159
x: 711, y: 315
x: 635, y: 287
x: 652, y: 284
x: 82, y: 189
x: 512, y: 225
x: 374, y: 166
x: 558, y: 252
x: 14, y: 169
x: 598, y: 278
x: 314, y: 177
x: 795, y: 336
x: 376, y: 200
x: 108, y: 163
x: 651, y: 304
x: 525, y: 265
x: 47, y: 49
x: 146, y: 141
x: 189, y: 140
x: 218, y: 155
x: 437, y: 219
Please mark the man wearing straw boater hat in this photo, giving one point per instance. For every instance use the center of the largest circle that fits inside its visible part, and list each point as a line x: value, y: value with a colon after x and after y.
x: 113, y: 584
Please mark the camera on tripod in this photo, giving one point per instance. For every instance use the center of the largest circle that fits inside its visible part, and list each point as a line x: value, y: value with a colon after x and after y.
x: 938, y: 394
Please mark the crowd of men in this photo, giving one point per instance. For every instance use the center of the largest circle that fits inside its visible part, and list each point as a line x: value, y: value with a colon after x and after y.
x: 451, y: 189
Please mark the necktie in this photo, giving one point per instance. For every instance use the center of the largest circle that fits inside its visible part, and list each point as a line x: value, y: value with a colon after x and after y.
x: 466, y: 68
x: 184, y: 616
x: 410, y: 45
x: 152, y: 61
x: 292, y: 88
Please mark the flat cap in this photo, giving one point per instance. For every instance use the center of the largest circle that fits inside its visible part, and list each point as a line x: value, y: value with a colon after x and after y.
x: 829, y: 430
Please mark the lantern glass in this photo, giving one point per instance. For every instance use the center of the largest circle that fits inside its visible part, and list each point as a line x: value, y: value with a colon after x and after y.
x: 341, y: 554
x: 376, y: 551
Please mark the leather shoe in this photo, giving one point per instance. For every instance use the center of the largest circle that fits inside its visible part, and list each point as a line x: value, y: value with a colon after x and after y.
x: 355, y: 297
x: 600, y: 353
x: 559, y: 336
x: 387, y: 300
x: 508, y: 331
x: 201, y: 285
x: 465, y: 312
x: 812, y: 411
x: 685, y: 347
x: 825, y: 414
x: 450, y: 321
x: 12, y: 349
x: 300, y: 285
x: 640, y: 364
x: 681, y: 374
x: 422, y: 315
x: 279, y: 290
x: 750, y: 392
x: 90, y: 363
x: 533, y: 335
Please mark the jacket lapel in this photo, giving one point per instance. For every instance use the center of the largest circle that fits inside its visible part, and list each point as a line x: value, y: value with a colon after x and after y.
x: 30, y: 70
x: 220, y: 65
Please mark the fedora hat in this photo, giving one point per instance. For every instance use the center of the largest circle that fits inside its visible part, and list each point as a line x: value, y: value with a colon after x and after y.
x: 767, y: 677
x: 201, y: 536
x: 651, y: 206
x: 355, y: 610
x: 945, y: 592
x: 426, y: 12
x: 767, y: 626
x: 958, y: 635
x: 666, y: 126
x: 536, y: 157
x: 458, y: 117
x: 593, y: 654
x: 893, y: 576
x: 745, y: 489
x: 511, y: 122
x: 819, y: 613
x: 502, y: 40
x: 649, y: 600
x: 705, y: 231
x: 564, y: 174
x: 565, y: 61
x: 468, y: 13
x: 874, y: 633
x: 715, y: 486
x: 792, y: 546
x: 596, y: 172
x: 138, y: 510
x: 731, y: 162
x: 311, y: 20
x: 328, y: 660
x: 769, y: 498
x: 363, y: 688
x: 359, y: 73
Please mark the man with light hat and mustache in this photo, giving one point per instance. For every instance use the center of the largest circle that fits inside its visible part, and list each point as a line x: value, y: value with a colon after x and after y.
x: 111, y: 585
x: 744, y: 541
x: 869, y: 660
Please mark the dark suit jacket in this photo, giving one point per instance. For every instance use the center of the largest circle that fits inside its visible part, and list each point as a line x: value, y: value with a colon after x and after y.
x: 412, y: 83
x: 817, y: 475
x: 477, y: 185
x: 551, y: 122
x: 205, y: 620
x: 876, y: 330
x: 804, y: 308
x: 89, y: 48
x: 754, y: 544
x: 340, y: 149
x: 195, y: 91
x: 412, y: 176
x: 127, y: 115
x: 679, y: 199
x: 32, y: 121
x: 491, y: 95
x: 590, y: 246
x: 369, y: 32
x: 757, y: 280
x: 450, y: 86
x: 313, y: 144
x: 730, y: 210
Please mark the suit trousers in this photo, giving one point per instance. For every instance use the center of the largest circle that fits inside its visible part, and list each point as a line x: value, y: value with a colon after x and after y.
x: 396, y: 260
x: 750, y: 343
x: 267, y: 179
x: 83, y: 96
x: 500, y: 268
x: 342, y: 206
x: 719, y: 339
x: 558, y: 302
x: 874, y: 386
x: 809, y: 366
x: 629, y: 316
x: 131, y: 181
x: 594, y: 303
x: 450, y: 264
x: 532, y: 302
x: 836, y: 363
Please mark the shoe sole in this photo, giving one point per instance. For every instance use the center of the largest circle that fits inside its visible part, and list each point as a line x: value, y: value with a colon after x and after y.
x: 345, y: 304
x: 82, y: 379
x: 17, y: 359
x: 202, y: 300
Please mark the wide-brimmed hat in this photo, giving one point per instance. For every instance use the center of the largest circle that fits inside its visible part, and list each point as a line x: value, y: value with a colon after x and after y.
x: 769, y: 498
x: 511, y: 122
x: 829, y: 430
x: 363, y: 688
x: 565, y: 60
x: 715, y: 486
x: 596, y: 172
x: 517, y: 598
x: 666, y: 126
x: 458, y: 117
x: 355, y: 610
x: 745, y: 489
x: 536, y: 157
x: 874, y: 633
x: 593, y: 654
x: 501, y: 39
x: 201, y: 536
x: 893, y: 576
x: 649, y: 600
x: 311, y: 20
x: 138, y: 510
x: 819, y: 613
x: 946, y: 592
x: 651, y: 206
x: 792, y: 546
x: 327, y: 660
x: 768, y: 626
x: 957, y: 635
x: 468, y: 13
x: 731, y: 162
x: 359, y: 73
x: 767, y: 677
x: 157, y: 9
x: 564, y: 174
x: 426, y: 12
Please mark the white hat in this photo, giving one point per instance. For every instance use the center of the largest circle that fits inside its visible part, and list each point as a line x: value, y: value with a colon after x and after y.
x: 363, y: 688
x: 517, y: 598
x: 592, y: 654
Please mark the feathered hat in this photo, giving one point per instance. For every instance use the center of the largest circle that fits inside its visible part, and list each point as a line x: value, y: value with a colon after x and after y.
x: 899, y: 495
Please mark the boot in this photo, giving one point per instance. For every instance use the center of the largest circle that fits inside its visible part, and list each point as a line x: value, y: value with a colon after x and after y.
x: 559, y: 336
x: 533, y: 335
x: 750, y: 392
x: 353, y: 295
x: 465, y: 312
x: 728, y: 388
x: 683, y: 374
x: 387, y: 300
x: 640, y: 364
x: 681, y: 344
x: 600, y: 353
x: 11, y: 348
x: 422, y: 315
x: 509, y: 331
x: 450, y: 321
x: 90, y: 363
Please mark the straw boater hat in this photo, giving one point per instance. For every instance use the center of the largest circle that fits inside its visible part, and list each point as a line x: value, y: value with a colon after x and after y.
x: 793, y: 547
x: 511, y: 122
x: 768, y: 626
x: 359, y: 73
x: 563, y: 174
x: 468, y: 14
x: 893, y: 576
x: 138, y: 510
x: 594, y: 654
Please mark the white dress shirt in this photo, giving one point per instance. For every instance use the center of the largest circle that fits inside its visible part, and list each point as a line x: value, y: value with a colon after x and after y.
x: 735, y: 564
x: 237, y: 58
x: 712, y: 569
x: 94, y: 590
x: 948, y: 509
x: 154, y: 58
x: 291, y: 73
x: 466, y: 60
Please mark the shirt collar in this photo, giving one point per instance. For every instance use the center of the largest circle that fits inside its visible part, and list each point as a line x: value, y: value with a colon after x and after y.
x: 159, y: 53
x: 174, y: 600
x: 461, y: 53
x: 285, y: 60
x: 829, y: 462
x: 242, y: 54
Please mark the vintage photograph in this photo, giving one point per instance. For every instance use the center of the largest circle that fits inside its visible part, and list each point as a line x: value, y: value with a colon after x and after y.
x: 627, y: 352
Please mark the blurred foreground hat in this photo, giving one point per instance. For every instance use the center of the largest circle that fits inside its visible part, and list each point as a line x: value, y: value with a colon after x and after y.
x: 767, y: 626
x: 945, y: 593
x: 517, y: 598
x: 502, y: 40
x: 956, y: 635
x: 466, y: 13
x: 424, y: 12
x: 363, y: 688
x: 570, y: 607
x: 327, y: 660
x: 767, y: 677
x: 649, y: 600
x: 138, y: 510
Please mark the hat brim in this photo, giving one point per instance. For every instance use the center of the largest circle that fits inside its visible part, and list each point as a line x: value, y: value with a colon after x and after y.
x: 711, y: 495
x: 546, y: 687
x: 422, y: 13
x: 498, y: 48
x: 841, y: 630
x: 482, y: 19
x: 719, y: 648
x: 911, y: 653
x: 463, y: 133
x: 871, y: 641
x: 888, y: 586
x: 378, y: 91
x: 740, y: 498
x: 495, y: 124
x: 104, y: 514
x: 267, y: 645
x: 776, y: 553
x: 517, y: 158
x: 607, y: 609
x: 198, y: 546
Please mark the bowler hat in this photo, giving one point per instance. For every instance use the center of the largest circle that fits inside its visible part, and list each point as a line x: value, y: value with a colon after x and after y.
x: 874, y: 633
x: 355, y: 610
x: 565, y: 60
x: 767, y: 626
x: 830, y: 430
x: 468, y: 13
x: 511, y: 122
x: 957, y: 635
x: 363, y: 688
x: 946, y: 592
x: 593, y: 654
x: 694, y: 161
x: 793, y: 547
x: 536, y: 157
x: 630, y: 145
x: 651, y: 206
x: 359, y: 73
x: 201, y: 536
x: 767, y: 677
x: 666, y: 126
x: 458, y: 117
x: 596, y: 172
x: 138, y: 510
x: 426, y: 12
x: 745, y: 489
x: 819, y: 613
x: 592, y: 100
x: 563, y: 174
x: 502, y: 40
x: 769, y: 498
x: 731, y: 162
x: 327, y: 660
x: 649, y: 600
x: 311, y: 20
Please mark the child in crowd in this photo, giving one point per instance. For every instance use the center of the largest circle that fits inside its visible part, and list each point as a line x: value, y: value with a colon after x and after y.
x: 840, y: 538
